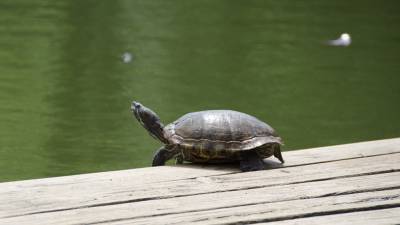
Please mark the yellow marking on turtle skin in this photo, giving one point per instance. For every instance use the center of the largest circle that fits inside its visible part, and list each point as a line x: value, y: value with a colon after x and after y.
x: 203, y: 154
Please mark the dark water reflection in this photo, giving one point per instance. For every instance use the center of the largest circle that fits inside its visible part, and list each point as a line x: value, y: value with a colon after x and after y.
x: 65, y: 92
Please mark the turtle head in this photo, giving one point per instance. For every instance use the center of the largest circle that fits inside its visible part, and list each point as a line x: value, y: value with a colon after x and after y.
x: 149, y: 120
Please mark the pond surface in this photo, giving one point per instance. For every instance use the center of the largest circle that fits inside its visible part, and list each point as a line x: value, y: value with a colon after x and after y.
x: 70, y: 69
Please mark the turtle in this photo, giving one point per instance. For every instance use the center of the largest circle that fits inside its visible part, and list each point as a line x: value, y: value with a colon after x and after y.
x: 212, y: 136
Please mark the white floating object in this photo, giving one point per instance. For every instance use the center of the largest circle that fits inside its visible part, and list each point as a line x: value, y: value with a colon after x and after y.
x: 344, y: 40
x: 127, y: 57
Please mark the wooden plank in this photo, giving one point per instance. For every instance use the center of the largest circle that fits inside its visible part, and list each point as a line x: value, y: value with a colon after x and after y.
x: 165, y: 173
x: 141, y: 189
x: 277, y: 212
x: 43, y: 198
x: 372, y: 217
x: 345, y: 151
x: 250, y: 205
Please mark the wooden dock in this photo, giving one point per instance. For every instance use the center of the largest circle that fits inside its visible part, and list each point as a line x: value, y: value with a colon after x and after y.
x: 345, y: 184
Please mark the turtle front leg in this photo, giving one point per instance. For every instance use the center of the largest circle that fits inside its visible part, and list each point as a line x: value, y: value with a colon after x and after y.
x: 162, y: 155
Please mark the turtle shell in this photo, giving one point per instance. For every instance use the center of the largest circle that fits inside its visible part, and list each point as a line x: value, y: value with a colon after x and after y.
x: 220, y: 130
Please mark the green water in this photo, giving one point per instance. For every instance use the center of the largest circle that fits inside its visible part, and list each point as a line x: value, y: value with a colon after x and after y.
x: 65, y: 93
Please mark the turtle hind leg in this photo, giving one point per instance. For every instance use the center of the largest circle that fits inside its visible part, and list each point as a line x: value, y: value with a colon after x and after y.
x: 162, y: 155
x: 278, y: 154
x: 250, y: 161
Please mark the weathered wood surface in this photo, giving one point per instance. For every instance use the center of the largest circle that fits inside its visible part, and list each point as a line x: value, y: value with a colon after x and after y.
x: 346, y: 184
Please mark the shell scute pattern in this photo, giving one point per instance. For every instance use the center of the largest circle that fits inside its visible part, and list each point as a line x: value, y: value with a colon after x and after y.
x: 219, y: 133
